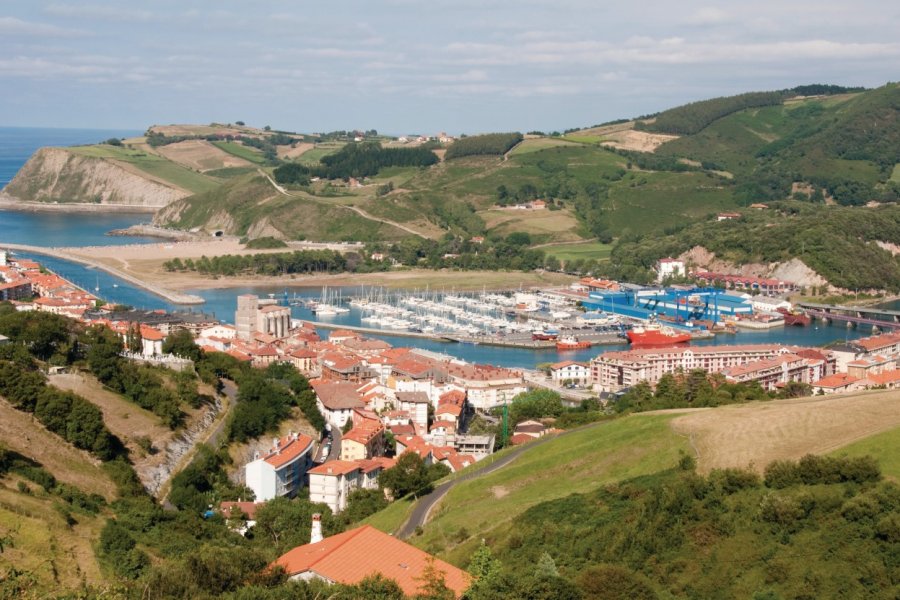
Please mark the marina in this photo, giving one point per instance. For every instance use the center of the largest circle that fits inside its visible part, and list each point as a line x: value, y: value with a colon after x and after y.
x: 480, y: 346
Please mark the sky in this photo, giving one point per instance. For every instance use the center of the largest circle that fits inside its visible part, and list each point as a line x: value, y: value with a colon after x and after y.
x: 420, y: 66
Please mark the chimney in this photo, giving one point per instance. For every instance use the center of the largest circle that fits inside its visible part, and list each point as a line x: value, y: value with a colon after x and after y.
x: 275, y: 445
x: 316, y: 533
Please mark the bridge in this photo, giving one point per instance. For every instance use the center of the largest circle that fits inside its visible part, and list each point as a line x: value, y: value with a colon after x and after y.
x: 858, y: 311
x: 839, y: 313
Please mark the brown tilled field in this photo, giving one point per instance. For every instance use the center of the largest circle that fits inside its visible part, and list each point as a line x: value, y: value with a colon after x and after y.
x: 200, y: 155
x: 756, y: 434
x: 293, y: 152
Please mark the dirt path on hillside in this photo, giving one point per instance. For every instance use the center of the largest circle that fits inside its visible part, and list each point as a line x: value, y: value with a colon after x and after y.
x: 355, y: 209
x: 758, y: 433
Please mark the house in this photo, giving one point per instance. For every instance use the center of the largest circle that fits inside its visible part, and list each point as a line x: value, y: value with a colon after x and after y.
x: 282, y: 470
x: 538, y: 205
x: 416, y: 405
x: 759, y: 206
x: 365, y: 439
x: 303, y: 360
x: 669, y: 267
x: 836, y: 383
x: 350, y: 557
x: 569, y: 370
x: 331, y: 483
x: 336, y: 400
x: 533, y: 429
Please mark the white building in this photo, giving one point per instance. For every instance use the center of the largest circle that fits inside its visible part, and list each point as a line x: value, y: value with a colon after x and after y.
x: 332, y: 482
x: 669, y: 267
x: 282, y: 471
x: 569, y: 370
x: 336, y: 400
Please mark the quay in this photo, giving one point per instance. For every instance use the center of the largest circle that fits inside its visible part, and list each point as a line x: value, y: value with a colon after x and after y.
x: 164, y: 293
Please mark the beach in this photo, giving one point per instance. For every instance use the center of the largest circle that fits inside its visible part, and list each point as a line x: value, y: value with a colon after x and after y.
x: 145, y: 263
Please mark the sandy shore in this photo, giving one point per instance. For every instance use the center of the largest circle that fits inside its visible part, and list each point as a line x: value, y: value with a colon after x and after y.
x: 145, y: 262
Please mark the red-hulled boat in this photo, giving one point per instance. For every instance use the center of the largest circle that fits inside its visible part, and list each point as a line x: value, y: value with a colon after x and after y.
x: 795, y: 318
x: 570, y: 342
x: 653, y: 334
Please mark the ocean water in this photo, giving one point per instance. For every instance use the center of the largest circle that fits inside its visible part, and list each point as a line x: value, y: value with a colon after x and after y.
x: 88, y: 229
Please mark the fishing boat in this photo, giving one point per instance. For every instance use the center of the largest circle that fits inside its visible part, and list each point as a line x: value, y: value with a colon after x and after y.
x: 570, y: 342
x: 654, y: 334
x: 795, y: 318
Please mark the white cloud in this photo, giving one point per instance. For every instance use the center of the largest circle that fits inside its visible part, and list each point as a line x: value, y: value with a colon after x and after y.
x: 111, y: 12
x: 13, y: 26
x: 708, y: 16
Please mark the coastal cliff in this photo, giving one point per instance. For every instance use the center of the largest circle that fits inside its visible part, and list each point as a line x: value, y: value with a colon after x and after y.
x: 67, y: 177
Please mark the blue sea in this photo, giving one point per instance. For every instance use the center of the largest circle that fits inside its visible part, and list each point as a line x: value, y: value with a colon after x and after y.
x: 89, y: 229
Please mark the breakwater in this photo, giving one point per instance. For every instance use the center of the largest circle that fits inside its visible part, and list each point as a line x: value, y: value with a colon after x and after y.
x: 167, y: 294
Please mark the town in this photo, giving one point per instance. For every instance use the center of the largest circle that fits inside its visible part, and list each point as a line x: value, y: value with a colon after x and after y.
x: 379, y: 403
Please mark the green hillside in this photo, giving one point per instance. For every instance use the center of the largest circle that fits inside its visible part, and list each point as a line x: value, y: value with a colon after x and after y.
x: 242, y: 203
x: 831, y: 534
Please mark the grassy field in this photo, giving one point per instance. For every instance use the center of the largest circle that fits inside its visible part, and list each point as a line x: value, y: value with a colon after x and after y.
x: 895, y: 175
x: 537, y: 144
x: 558, y: 224
x: 57, y: 555
x: 753, y: 435
x: 153, y: 165
x: 312, y: 157
x: 884, y: 447
x: 651, y: 201
x: 241, y: 151
x: 200, y: 155
x: 577, y: 462
x: 583, y: 139
x: 589, y: 250
x: 22, y: 433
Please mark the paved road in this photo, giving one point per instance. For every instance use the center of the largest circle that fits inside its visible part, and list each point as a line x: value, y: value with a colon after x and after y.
x: 423, y: 507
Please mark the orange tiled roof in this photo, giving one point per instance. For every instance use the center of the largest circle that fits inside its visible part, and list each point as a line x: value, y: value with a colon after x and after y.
x: 351, y: 556
x: 289, y: 449
x: 836, y: 380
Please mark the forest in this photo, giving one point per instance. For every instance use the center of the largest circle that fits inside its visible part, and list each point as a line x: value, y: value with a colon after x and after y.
x: 691, y: 118
x: 490, y: 143
x: 365, y: 159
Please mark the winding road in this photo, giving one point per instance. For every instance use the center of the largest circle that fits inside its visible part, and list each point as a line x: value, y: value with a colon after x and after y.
x: 419, y: 515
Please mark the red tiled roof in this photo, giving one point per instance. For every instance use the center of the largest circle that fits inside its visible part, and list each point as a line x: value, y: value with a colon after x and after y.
x: 448, y: 409
x: 248, y: 508
x: 520, y: 438
x: 836, y: 380
x: 289, y: 449
x: 335, y: 467
x: 884, y: 378
x: 351, y: 556
x: 338, y: 395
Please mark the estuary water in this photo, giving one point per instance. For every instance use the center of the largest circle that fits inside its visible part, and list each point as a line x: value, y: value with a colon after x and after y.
x: 89, y: 229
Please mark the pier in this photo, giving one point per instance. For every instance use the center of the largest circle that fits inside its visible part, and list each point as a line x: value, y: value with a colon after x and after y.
x: 164, y: 293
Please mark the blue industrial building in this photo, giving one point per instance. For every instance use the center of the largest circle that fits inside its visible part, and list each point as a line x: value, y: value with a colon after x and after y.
x: 681, y: 307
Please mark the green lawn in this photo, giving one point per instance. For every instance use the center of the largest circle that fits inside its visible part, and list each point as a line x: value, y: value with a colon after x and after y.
x: 589, y: 250
x: 537, y: 144
x: 241, y: 151
x: 314, y: 155
x: 584, y: 139
x: 152, y: 165
x: 577, y: 462
x: 884, y: 447
x: 895, y: 176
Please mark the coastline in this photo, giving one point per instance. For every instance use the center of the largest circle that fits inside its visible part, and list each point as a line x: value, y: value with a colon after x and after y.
x: 8, y: 202
x: 172, y: 296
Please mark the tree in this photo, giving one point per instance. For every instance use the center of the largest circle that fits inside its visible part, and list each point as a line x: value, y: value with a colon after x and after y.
x: 432, y: 585
x: 181, y: 343
x: 613, y: 582
x: 408, y: 476
x: 373, y: 587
